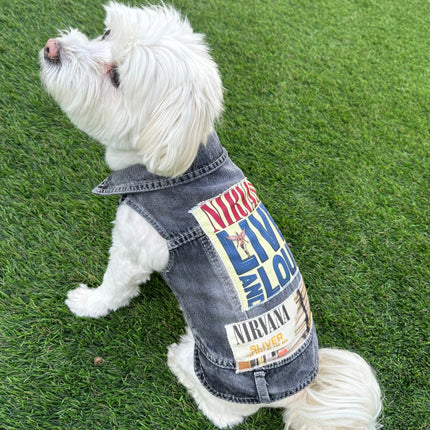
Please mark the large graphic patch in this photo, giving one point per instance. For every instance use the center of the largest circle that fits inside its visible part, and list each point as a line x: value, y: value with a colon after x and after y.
x: 249, y: 243
x: 275, y: 335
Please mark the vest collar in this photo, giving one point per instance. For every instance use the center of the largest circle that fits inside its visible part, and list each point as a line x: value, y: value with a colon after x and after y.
x: 137, y: 179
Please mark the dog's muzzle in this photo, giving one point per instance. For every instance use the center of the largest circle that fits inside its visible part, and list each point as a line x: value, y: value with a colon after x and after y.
x: 51, y: 52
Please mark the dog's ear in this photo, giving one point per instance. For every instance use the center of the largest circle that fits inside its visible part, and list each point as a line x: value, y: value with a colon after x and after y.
x: 169, y: 83
x: 177, y: 126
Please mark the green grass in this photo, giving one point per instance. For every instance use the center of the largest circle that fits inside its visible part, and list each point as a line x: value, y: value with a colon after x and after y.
x: 327, y: 109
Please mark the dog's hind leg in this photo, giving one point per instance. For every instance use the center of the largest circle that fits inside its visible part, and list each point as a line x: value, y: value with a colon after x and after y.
x: 137, y: 250
x: 220, y: 412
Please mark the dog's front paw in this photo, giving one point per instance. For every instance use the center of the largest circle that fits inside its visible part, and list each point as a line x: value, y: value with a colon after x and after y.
x: 86, y: 302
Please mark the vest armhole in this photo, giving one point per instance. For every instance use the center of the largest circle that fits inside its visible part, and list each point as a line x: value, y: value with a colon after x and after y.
x: 146, y: 215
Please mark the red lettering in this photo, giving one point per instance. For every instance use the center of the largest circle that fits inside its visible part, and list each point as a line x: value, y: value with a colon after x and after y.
x: 251, y: 193
x: 233, y: 206
x: 233, y: 199
x: 224, y: 209
x: 214, y: 215
x: 244, y: 199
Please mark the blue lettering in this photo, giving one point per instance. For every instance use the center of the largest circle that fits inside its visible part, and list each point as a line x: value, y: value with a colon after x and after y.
x: 266, y: 282
x: 254, y: 294
x: 266, y: 231
x: 240, y: 266
x: 278, y: 263
x: 247, y: 280
x: 254, y: 241
x: 289, y: 259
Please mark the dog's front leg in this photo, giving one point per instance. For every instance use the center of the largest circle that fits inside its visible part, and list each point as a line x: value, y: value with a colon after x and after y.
x: 137, y: 250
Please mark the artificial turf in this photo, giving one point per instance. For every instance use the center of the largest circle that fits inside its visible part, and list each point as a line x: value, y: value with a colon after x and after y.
x: 326, y: 110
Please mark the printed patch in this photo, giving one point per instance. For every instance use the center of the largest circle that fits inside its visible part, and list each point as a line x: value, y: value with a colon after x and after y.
x: 249, y: 243
x: 272, y: 336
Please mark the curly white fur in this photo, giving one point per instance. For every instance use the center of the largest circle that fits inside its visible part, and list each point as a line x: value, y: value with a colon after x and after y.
x: 150, y: 92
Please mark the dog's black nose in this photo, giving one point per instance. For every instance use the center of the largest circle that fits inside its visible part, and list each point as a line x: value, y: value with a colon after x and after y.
x: 51, y: 50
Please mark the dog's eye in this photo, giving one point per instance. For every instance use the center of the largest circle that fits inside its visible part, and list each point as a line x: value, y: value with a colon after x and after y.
x: 106, y: 34
x: 114, y: 76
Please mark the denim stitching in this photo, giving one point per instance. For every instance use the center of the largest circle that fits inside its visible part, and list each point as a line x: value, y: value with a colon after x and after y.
x: 198, y: 369
x: 231, y: 365
x: 161, y: 183
x: 146, y: 215
x: 185, y: 237
x: 223, y: 364
x: 215, y: 260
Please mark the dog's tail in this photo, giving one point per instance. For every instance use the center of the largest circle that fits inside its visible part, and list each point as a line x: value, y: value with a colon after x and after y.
x: 344, y: 395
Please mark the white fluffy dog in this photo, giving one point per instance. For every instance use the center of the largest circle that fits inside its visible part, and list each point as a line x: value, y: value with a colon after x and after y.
x: 150, y: 92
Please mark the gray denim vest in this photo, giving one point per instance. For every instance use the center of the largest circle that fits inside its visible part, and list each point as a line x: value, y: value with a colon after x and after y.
x: 233, y: 274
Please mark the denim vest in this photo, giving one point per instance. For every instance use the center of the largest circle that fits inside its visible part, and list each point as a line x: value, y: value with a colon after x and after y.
x: 233, y: 274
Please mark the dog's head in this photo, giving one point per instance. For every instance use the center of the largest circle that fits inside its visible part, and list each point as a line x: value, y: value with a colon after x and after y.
x: 148, y: 88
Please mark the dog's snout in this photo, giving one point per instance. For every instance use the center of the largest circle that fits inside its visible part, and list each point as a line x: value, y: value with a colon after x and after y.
x: 51, y: 50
